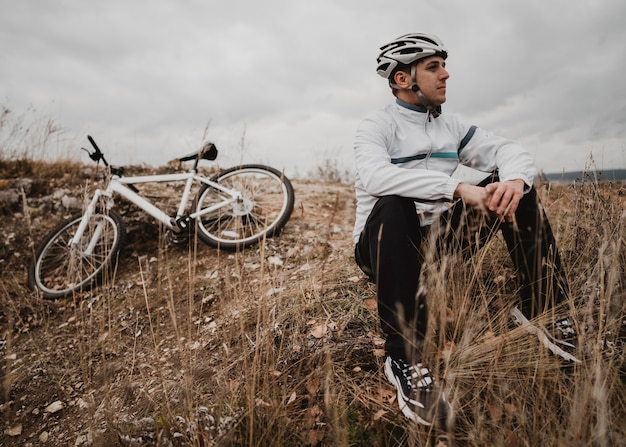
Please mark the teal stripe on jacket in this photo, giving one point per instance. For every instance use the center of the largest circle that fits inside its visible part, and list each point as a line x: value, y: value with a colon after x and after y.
x: 449, y: 155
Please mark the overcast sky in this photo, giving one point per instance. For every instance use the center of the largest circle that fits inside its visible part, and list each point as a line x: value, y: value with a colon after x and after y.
x: 290, y: 80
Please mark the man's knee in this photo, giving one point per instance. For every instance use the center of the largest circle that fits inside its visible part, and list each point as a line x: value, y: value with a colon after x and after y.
x: 362, y: 258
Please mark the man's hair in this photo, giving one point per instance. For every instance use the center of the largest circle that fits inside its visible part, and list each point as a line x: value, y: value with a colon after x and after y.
x: 406, y: 68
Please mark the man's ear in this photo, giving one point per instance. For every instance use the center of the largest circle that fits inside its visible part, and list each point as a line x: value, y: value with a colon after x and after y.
x: 402, y: 79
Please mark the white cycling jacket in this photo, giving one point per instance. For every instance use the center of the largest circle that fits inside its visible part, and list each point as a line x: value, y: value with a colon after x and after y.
x: 402, y: 150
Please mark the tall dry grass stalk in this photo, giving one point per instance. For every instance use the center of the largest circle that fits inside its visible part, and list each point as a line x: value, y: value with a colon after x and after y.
x: 505, y: 387
x: 280, y: 344
x: 29, y: 135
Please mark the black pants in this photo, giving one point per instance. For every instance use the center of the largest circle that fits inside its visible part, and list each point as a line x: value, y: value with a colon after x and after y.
x: 391, y: 250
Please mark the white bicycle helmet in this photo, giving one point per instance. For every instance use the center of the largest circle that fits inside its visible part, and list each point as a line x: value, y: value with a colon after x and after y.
x: 407, y: 49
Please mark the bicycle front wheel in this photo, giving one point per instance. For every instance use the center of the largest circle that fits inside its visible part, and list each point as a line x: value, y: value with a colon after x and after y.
x: 60, y: 268
x: 264, y: 207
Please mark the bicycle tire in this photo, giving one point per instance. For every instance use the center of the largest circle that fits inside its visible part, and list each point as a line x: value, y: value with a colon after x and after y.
x: 266, y: 206
x: 59, y: 270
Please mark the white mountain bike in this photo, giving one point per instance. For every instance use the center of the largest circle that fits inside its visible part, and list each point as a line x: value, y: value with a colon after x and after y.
x: 235, y: 209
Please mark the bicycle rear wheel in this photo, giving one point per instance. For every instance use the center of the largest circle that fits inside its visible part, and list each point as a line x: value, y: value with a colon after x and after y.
x: 60, y: 269
x: 266, y: 204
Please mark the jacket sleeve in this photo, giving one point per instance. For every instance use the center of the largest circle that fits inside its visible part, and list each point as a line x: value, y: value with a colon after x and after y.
x: 487, y: 152
x: 379, y: 177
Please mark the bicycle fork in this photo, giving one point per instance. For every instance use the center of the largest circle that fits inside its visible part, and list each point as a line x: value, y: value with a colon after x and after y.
x: 97, y: 233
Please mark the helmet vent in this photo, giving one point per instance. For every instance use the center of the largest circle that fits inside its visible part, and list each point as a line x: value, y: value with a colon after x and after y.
x: 412, y: 50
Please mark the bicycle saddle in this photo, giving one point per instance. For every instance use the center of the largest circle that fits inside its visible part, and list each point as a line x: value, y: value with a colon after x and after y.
x: 208, y: 152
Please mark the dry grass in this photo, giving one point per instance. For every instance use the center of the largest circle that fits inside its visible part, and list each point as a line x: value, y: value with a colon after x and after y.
x: 30, y: 135
x: 280, y: 344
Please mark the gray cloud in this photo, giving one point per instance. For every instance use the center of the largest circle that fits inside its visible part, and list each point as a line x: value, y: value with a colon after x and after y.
x: 293, y: 79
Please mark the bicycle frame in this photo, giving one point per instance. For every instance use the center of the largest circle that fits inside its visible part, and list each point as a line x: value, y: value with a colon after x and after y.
x: 120, y: 185
x: 234, y: 209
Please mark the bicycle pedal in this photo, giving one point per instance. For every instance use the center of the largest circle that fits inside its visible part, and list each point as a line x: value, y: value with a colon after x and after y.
x: 181, y: 222
x: 177, y: 238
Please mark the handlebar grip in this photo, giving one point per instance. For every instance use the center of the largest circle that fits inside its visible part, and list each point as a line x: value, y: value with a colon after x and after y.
x: 93, y: 143
x: 97, y: 155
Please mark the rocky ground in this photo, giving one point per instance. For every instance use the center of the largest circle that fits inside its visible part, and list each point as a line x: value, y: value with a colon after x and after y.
x: 58, y: 358
x: 275, y: 345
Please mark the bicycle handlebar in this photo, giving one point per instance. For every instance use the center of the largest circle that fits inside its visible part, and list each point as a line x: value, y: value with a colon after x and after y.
x: 93, y: 143
x: 97, y: 154
x: 208, y: 152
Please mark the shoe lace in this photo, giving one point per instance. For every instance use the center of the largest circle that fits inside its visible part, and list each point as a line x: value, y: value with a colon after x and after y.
x: 564, y: 328
x: 420, y: 376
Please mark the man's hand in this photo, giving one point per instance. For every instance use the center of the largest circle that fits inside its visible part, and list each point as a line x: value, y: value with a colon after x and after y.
x: 500, y: 199
x: 503, y: 198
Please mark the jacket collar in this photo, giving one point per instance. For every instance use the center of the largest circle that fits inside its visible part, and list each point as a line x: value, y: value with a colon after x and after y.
x: 414, y: 107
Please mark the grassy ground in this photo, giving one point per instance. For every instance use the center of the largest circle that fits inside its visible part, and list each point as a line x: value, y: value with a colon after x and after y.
x: 280, y: 345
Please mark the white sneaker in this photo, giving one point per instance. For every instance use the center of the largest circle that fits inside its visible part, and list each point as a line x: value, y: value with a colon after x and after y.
x: 561, y: 340
x: 419, y: 397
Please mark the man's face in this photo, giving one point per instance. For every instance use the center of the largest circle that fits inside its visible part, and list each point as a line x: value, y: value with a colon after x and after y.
x: 431, y: 77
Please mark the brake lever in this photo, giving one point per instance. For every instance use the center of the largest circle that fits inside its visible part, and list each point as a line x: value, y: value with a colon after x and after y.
x: 95, y: 156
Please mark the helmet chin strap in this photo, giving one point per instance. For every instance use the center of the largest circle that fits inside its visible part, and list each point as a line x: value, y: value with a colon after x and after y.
x: 435, y: 111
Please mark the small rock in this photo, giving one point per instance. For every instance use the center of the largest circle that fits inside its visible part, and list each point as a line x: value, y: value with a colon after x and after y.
x: 71, y: 203
x: 54, y: 407
x: 9, y: 198
x: 84, y: 440
x: 274, y: 291
x: 44, y: 436
x: 25, y: 184
x: 59, y: 193
x: 14, y: 431
x: 275, y: 260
